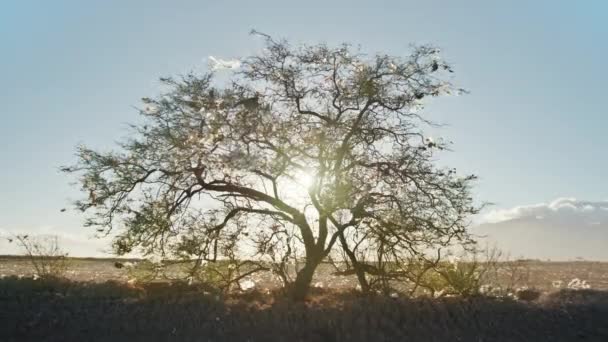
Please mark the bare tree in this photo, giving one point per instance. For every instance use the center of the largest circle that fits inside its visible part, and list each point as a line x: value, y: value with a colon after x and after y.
x: 326, y: 140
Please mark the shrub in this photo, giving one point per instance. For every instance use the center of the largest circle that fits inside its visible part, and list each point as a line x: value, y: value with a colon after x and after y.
x: 527, y: 295
x: 144, y: 271
x: 45, y: 255
x: 472, y: 273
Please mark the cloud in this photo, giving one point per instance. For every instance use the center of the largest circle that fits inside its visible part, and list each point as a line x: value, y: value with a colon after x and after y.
x: 562, y: 209
x: 220, y: 64
x: 563, y: 229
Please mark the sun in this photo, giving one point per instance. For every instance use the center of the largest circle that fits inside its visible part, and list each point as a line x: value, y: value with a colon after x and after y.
x: 305, y: 179
x: 295, y: 188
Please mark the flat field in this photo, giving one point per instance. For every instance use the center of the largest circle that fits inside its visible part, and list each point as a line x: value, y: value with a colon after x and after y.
x: 538, y: 274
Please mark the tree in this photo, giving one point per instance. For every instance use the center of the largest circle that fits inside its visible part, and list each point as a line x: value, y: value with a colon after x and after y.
x: 305, y: 148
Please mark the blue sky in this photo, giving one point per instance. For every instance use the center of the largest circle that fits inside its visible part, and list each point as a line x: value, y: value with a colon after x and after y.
x: 533, y: 126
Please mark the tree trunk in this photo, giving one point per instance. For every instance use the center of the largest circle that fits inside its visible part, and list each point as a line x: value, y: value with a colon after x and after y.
x: 303, y: 279
x: 361, y: 277
x: 359, y: 271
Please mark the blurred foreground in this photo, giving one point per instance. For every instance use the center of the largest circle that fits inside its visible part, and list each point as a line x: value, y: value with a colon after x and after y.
x: 63, y: 310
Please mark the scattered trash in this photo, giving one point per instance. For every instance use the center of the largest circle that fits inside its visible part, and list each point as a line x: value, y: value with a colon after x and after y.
x: 577, y: 284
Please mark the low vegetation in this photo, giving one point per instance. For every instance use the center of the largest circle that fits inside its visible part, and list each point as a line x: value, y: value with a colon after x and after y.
x: 44, y: 254
x: 61, y: 310
x: 476, y: 297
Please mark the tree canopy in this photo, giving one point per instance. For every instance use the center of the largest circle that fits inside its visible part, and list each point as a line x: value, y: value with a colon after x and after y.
x: 306, y: 151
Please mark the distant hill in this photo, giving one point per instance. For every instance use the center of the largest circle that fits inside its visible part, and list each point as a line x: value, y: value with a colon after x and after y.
x: 548, y: 238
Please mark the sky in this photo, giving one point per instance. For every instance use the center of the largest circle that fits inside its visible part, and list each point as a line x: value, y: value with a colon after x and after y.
x: 533, y: 126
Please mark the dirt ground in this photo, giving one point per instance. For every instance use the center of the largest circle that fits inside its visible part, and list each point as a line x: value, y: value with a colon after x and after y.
x: 539, y: 274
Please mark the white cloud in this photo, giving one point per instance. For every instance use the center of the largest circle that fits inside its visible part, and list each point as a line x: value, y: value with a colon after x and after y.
x: 588, y: 207
x: 563, y: 209
x: 219, y: 64
x: 563, y: 229
x: 499, y: 215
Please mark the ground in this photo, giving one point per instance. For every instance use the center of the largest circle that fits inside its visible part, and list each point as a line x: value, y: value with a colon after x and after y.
x: 538, y: 274
x: 92, y: 307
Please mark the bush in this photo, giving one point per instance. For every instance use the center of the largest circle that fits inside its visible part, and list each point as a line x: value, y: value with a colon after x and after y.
x: 144, y: 271
x: 476, y: 272
x: 44, y: 254
x: 527, y: 295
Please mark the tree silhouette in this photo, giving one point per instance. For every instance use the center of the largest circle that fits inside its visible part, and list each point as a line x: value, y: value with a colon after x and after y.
x: 303, y: 149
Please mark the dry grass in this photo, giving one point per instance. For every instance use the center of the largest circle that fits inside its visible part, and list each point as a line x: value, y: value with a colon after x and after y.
x: 63, y: 310
x: 541, y: 273
x: 97, y: 303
